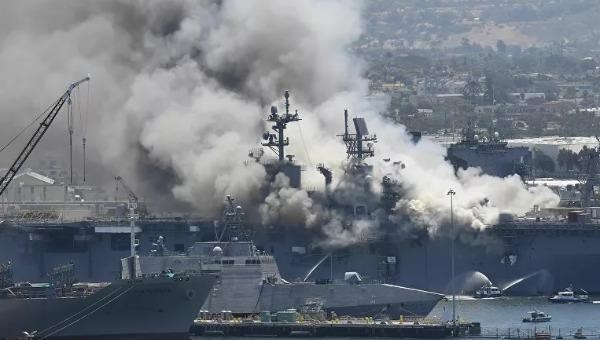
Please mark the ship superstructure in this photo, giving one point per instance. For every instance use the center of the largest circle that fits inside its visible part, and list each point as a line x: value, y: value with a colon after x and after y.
x: 277, y: 142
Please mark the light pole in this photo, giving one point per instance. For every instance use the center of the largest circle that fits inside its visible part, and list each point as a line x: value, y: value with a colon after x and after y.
x: 451, y: 193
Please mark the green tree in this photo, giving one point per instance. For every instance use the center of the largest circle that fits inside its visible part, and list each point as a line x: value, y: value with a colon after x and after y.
x: 570, y: 93
x: 543, y: 162
x: 500, y: 46
x: 567, y: 159
x: 488, y: 94
x: 535, y: 123
x: 587, y: 99
x: 471, y: 91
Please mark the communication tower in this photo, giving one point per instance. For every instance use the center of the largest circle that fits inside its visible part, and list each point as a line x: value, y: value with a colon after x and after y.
x: 277, y: 142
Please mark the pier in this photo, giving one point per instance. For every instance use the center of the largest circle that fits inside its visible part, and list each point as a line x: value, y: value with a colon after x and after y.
x: 339, y: 328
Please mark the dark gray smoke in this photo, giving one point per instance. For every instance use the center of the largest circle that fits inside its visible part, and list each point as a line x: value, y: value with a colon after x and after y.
x: 178, y: 87
x: 179, y: 93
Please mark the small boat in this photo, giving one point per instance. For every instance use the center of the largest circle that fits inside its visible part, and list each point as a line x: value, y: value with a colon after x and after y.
x: 570, y: 296
x: 488, y: 291
x: 542, y: 335
x: 537, y: 316
x: 579, y: 334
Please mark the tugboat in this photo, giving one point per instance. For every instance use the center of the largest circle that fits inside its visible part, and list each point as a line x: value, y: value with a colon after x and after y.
x: 537, y: 316
x: 488, y: 291
x: 570, y: 296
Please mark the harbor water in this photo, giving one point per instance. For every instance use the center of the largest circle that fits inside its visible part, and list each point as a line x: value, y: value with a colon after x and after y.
x: 503, y: 317
x: 505, y: 314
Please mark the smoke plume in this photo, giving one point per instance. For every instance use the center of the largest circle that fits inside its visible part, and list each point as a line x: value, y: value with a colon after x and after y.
x: 179, y: 94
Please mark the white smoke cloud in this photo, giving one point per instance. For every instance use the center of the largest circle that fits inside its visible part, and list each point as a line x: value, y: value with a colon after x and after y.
x: 180, y: 89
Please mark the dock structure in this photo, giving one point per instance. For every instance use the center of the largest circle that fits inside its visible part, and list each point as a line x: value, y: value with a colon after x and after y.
x: 341, y: 328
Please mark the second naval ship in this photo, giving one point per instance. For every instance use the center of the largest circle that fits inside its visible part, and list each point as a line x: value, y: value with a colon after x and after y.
x: 250, y: 281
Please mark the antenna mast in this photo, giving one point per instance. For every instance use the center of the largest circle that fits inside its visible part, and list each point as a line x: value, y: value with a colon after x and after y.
x: 278, y: 142
x: 132, y: 205
x: 359, y: 145
x: 232, y: 221
x: 70, y: 128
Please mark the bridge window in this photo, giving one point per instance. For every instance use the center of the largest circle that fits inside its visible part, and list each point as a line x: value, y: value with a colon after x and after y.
x: 252, y: 261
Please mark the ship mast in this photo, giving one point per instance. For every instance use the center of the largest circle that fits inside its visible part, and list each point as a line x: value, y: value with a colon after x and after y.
x: 359, y: 146
x: 232, y: 222
x: 278, y: 142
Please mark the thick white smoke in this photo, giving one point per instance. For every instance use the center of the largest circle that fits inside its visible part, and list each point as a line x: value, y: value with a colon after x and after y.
x: 180, y: 90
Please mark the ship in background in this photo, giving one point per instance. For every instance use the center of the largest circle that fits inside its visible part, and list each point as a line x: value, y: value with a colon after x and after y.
x: 489, y: 153
x: 538, y: 253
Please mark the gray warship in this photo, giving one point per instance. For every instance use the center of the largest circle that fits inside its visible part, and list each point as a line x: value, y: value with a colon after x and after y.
x: 149, y: 307
x: 540, y: 252
x: 489, y: 153
x: 250, y: 281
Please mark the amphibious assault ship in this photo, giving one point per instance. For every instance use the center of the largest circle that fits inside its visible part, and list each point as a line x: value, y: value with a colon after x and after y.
x: 540, y: 252
x: 250, y: 281
x: 489, y: 153
x: 149, y: 307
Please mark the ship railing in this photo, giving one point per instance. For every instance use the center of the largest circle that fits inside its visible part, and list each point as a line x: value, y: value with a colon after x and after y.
x: 540, y: 225
x: 101, y: 220
x: 530, y: 332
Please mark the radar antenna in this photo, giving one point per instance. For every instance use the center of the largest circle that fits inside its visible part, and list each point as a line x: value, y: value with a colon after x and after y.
x: 359, y: 145
x: 278, y: 142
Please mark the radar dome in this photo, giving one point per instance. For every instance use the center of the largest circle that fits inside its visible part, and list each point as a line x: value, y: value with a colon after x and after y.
x: 217, y: 251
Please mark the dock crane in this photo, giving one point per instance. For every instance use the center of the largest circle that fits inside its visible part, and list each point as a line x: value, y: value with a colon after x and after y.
x: 37, y: 135
x: 132, y: 205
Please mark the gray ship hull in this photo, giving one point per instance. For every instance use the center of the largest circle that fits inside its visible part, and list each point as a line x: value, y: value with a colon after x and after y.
x: 144, y: 308
x: 561, y: 255
x: 355, y: 300
x: 250, y: 284
x: 531, y: 259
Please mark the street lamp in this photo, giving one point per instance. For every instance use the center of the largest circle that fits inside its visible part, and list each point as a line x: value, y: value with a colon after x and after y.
x: 451, y: 193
